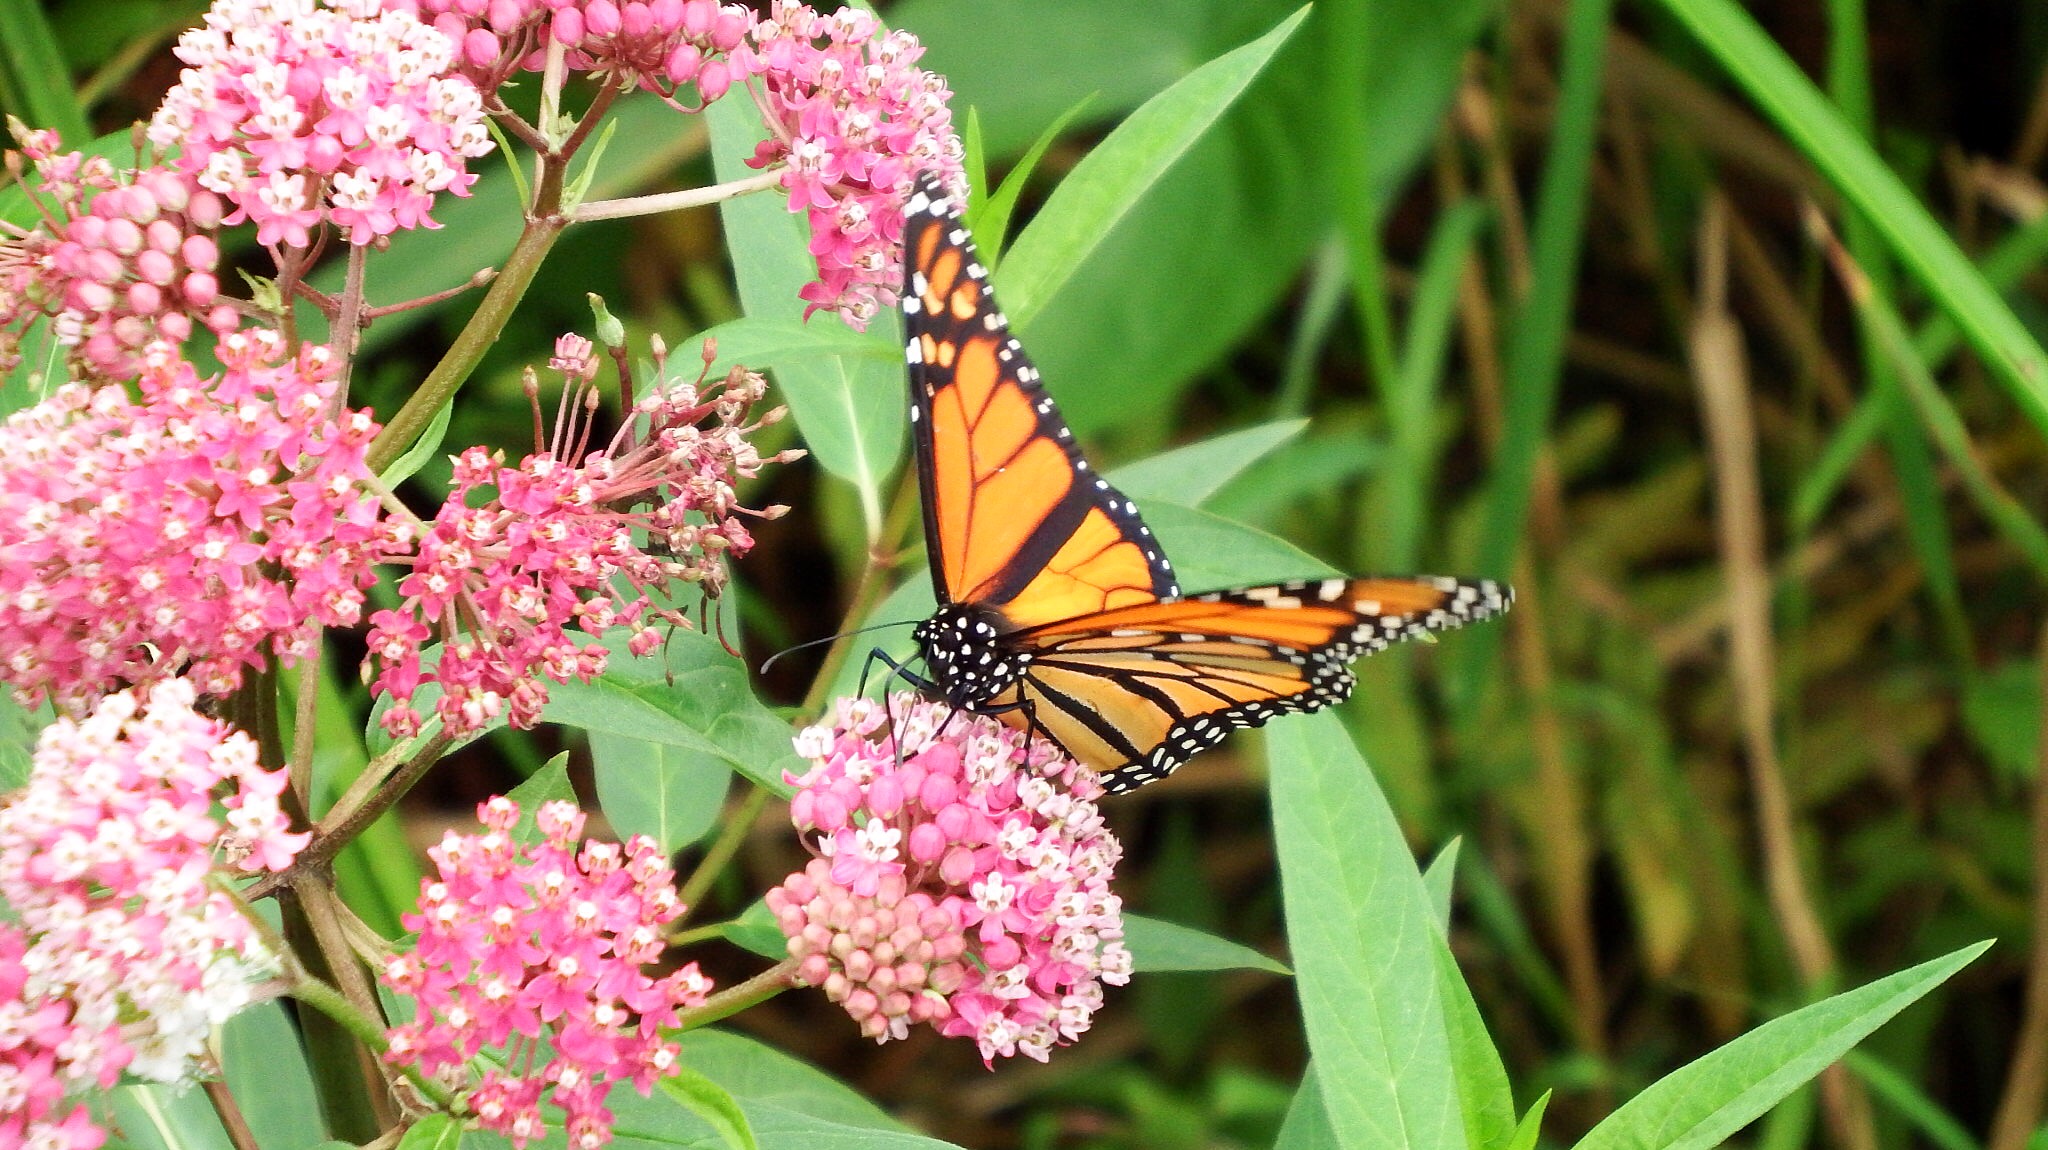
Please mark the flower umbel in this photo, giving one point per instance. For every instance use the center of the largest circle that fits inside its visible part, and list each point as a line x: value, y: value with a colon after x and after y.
x: 121, y: 260
x: 302, y: 113
x: 855, y: 120
x: 523, y: 940
x: 518, y: 556
x: 111, y: 858
x: 962, y: 879
x: 197, y: 530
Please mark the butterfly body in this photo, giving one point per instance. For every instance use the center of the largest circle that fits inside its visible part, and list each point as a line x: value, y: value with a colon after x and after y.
x: 1058, y: 611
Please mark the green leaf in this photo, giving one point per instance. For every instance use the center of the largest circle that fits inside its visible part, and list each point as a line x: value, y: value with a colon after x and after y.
x: 1486, y: 1098
x: 989, y: 218
x: 1784, y: 93
x: 1211, y: 552
x: 1307, y: 1126
x: 1191, y: 474
x: 265, y: 1068
x: 1360, y: 927
x: 1157, y: 946
x: 764, y: 344
x: 1702, y: 1104
x: 166, y: 1118
x: 1439, y: 880
x: 421, y: 451
x: 693, y: 695
x: 1531, y: 1126
x: 549, y: 784
x: 755, y: 930
x: 35, y: 82
x: 711, y: 1102
x: 1107, y: 182
x: 670, y: 794
x: 851, y: 408
x: 433, y: 1132
x: 19, y: 727
x: 1901, y: 1093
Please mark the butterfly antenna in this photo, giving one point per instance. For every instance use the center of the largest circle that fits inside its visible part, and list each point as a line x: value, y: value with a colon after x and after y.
x: 770, y: 660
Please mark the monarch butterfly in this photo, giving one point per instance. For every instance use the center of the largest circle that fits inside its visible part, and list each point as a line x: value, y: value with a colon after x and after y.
x: 1058, y: 611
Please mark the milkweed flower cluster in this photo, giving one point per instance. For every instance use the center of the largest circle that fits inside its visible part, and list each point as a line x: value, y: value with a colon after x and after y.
x: 518, y: 940
x: 111, y: 859
x: 193, y: 531
x: 660, y: 45
x: 962, y: 879
x: 519, y: 555
x: 38, y: 1104
x: 304, y: 112
x: 121, y: 259
x: 854, y: 120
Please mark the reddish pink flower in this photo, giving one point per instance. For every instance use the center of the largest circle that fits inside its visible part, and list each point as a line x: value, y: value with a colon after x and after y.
x: 522, y: 944
x: 303, y: 113
x: 524, y: 567
x: 660, y: 45
x: 110, y: 858
x: 854, y: 120
x: 36, y: 1070
x: 199, y: 530
x: 121, y: 260
x: 962, y: 879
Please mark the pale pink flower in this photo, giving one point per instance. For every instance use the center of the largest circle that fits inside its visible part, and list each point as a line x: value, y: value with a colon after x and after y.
x: 854, y: 121
x: 302, y: 113
x: 111, y: 858
x: 40, y: 1100
x: 525, y: 567
x: 120, y: 260
x: 962, y: 879
x: 198, y: 530
x: 521, y: 944
x: 659, y: 45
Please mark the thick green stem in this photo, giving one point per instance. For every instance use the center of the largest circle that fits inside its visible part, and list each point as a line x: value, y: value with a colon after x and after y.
x: 733, y: 999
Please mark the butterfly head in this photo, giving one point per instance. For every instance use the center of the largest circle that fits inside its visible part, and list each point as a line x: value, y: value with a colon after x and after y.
x: 966, y: 656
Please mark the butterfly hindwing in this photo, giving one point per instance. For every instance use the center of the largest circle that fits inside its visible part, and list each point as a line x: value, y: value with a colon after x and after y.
x: 1138, y: 690
x: 1015, y: 519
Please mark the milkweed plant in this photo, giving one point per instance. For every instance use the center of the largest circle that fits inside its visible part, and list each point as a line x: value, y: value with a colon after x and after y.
x: 198, y: 515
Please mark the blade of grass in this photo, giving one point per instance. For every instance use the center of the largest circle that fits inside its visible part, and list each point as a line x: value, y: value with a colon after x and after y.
x: 35, y: 82
x: 1328, y: 275
x: 1903, y: 1095
x: 1784, y: 93
x: 990, y: 220
x: 1536, y: 335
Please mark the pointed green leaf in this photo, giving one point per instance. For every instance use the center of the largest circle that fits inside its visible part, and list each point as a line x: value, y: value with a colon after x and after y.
x: 1702, y: 1104
x: 1156, y: 945
x: 1307, y: 1126
x: 433, y: 1132
x: 1365, y: 944
x: 711, y: 1102
x: 547, y: 785
x: 1191, y: 474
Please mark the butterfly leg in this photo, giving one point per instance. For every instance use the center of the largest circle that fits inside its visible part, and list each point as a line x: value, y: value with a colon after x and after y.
x: 896, y: 671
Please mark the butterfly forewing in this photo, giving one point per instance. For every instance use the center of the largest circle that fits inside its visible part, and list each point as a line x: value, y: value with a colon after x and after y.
x: 1014, y: 517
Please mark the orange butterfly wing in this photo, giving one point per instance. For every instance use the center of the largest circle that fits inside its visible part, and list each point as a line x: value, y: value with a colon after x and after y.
x: 1014, y: 517
x: 1136, y: 691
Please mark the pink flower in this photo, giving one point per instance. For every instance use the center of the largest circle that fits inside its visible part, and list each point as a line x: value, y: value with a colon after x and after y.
x: 520, y: 944
x: 854, y: 121
x: 302, y: 114
x: 518, y: 556
x: 110, y: 857
x: 660, y: 45
x: 36, y: 1070
x: 120, y: 261
x: 962, y: 879
x: 199, y: 530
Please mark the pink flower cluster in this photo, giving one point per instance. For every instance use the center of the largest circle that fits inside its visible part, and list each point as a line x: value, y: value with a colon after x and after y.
x: 660, y: 45
x: 109, y: 859
x: 962, y: 879
x: 518, y: 941
x: 304, y: 112
x: 855, y: 120
x: 35, y: 1033
x: 193, y: 531
x: 519, y: 555
x: 121, y: 260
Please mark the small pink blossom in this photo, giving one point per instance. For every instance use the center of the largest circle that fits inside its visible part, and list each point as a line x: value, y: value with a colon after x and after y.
x: 853, y: 120
x: 520, y: 943
x: 37, y: 1039
x: 525, y: 567
x: 198, y: 530
x: 659, y: 45
x: 962, y: 879
x: 120, y: 260
x: 110, y: 859
x: 303, y: 113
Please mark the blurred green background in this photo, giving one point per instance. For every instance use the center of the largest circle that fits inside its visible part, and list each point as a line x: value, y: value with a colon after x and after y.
x: 1613, y: 300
